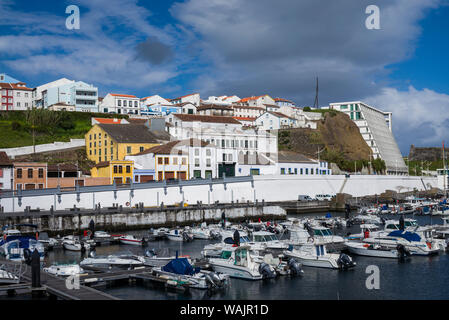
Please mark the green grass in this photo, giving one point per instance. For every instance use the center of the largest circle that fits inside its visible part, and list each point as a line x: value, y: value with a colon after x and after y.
x: 16, y: 127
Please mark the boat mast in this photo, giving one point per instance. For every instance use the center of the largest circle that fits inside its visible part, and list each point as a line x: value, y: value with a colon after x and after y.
x: 445, y: 175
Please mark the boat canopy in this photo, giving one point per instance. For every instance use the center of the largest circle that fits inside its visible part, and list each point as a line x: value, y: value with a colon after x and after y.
x: 180, y: 266
x: 407, y: 235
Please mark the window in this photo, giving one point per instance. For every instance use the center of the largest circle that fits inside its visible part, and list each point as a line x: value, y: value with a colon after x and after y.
x: 208, y: 162
x: 224, y: 156
x: 41, y: 173
x: 197, y: 162
x: 115, y: 169
x: 159, y: 160
x: 300, y: 171
x: 282, y: 170
x: 208, y: 152
x: 105, y: 151
x: 18, y: 94
x: 124, y: 103
x: 197, y: 152
x: 307, y: 171
x: 166, y: 160
x: 119, y: 103
x: 184, y: 160
x: 95, y: 144
x: 105, y: 143
x: 141, y: 149
x: 90, y: 137
x: 30, y: 173
x: 175, y: 160
x: 128, y: 149
x: 120, y: 169
x: 19, y: 173
x: 128, y: 169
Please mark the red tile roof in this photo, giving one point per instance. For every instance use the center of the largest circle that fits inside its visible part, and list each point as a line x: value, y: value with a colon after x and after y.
x: 109, y: 120
x: 245, y: 118
x: 14, y: 86
x: 250, y: 98
x: 281, y: 99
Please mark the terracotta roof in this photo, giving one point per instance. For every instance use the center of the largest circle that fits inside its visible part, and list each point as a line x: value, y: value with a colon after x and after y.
x: 14, y: 86
x: 130, y: 133
x: 245, y: 118
x: 108, y: 120
x: 201, y: 118
x: 250, y: 98
x: 63, y: 167
x: 183, y: 96
x: 4, y: 159
x: 283, y: 100
x: 174, y: 145
x: 122, y: 95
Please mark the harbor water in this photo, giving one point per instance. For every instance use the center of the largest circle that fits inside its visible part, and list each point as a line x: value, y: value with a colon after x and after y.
x: 419, y: 277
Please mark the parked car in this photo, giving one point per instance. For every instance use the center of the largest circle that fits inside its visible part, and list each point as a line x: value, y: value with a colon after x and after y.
x: 302, y: 197
x: 322, y: 197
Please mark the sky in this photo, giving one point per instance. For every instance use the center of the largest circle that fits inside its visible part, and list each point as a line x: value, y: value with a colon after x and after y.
x: 246, y: 48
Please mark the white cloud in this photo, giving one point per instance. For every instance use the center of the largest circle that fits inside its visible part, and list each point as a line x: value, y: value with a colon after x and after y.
x: 420, y: 117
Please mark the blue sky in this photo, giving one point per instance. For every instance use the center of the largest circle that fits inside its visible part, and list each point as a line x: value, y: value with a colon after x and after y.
x: 225, y: 47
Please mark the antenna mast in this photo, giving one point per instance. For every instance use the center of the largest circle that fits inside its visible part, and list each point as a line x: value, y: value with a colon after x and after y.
x: 315, y: 104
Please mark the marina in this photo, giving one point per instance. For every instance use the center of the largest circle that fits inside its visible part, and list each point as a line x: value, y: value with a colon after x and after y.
x: 289, y: 259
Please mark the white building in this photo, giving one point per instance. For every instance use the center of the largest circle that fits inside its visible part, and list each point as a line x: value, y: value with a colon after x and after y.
x: 120, y: 104
x: 37, y: 92
x: 15, y: 96
x: 274, y: 121
x: 247, y: 112
x: 375, y: 127
x: 225, y: 100
x: 215, y: 110
x: 6, y: 172
x: 180, y: 159
x: 193, y: 98
x: 254, y: 101
x: 226, y: 134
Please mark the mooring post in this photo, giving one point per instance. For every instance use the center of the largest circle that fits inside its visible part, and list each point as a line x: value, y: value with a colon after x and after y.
x: 35, y: 269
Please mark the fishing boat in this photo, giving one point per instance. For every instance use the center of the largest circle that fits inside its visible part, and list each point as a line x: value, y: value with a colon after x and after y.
x: 376, y: 250
x: 112, y: 262
x: 64, y: 270
x: 238, y: 263
x: 316, y: 255
x: 131, y: 240
x: 180, y: 270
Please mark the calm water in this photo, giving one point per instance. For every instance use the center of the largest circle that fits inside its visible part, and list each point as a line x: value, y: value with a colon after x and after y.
x: 416, y: 278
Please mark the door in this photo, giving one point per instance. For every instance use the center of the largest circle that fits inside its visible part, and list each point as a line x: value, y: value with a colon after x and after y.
x: 160, y: 175
x: 169, y: 175
x: 79, y: 183
x: 182, y: 175
x: 30, y: 186
x: 228, y: 169
x: 208, y: 174
x: 118, y: 180
x: 146, y: 178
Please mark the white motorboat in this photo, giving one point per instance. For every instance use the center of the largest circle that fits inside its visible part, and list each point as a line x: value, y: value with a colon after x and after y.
x: 367, y: 230
x: 204, y: 233
x: 160, y: 257
x: 315, y: 255
x: 21, y: 249
x: 214, y: 250
x: 368, y: 218
x: 131, y: 240
x: 73, y: 244
x: 264, y: 240
x: 112, y: 262
x: 64, y: 270
x: 179, y: 270
x: 179, y: 235
x: 102, y: 235
x: 376, y: 250
x: 238, y: 263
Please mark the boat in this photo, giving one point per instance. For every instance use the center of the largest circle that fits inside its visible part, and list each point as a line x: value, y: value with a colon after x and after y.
x: 266, y: 241
x: 179, y: 235
x: 214, y: 250
x: 73, y: 244
x: 112, y: 262
x: 281, y: 267
x: 64, y: 270
x: 204, y: 233
x: 158, y: 234
x: 21, y: 248
x: 49, y: 243
x: 367, y: 218
x: 376, y: 250
x: 131, y: 240
x: 159, y: 257
x: 180, y: 270
x: 238, y: 263
x: 367, y: 229
x: 316, y: 255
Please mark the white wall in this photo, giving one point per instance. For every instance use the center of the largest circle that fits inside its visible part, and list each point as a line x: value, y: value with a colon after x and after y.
x: 55, y: 146
x: 268, y: 188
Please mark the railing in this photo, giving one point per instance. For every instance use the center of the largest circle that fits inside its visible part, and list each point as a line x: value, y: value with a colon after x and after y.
x: 12, y: 272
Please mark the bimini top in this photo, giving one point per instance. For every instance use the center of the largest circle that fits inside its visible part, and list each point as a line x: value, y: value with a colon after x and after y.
x: 407, y: 235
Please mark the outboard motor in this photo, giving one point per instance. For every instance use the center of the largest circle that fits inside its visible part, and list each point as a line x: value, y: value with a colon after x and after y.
x: 215, y: 235
x: 295, y: 267
x: 265, y: 271
x: 144, y: 242
x: 27, y: 256
x: 83, y: 248
x: 92, y: 254
x: 186, y: 237
x: 210, y: 282
x: 345, y: 262
x: 382, y: 219
x: 150, y: 253
x: 402, y: 251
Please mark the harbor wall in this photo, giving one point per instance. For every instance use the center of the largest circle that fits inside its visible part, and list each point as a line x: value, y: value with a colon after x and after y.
x: 132, y: 219
x: 236, y: 189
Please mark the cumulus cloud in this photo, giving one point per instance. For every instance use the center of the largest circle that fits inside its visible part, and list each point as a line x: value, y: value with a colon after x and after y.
x: 420, y: 117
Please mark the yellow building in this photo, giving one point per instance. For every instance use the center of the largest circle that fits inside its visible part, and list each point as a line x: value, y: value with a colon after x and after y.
x: 120, y: 171
x: 107, y: 142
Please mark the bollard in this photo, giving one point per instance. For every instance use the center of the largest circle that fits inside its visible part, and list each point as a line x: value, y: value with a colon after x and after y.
x: 35, y: 269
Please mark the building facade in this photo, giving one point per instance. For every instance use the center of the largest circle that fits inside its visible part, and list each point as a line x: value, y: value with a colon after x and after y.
x: 6, y: 172
x: 30, y: 175
x: 116, y: 171
x: 376, y: 129
x: 15, y: 96
x: 120, y: 104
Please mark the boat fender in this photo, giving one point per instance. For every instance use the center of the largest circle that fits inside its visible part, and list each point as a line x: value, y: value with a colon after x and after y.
x: 429, y: 244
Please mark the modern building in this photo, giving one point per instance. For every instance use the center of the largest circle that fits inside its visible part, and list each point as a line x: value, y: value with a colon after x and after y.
x: 74, y: 93
x: 6, y: 172
x: 107, y: 142
x: 120, y: 104
x: 15, y: 96
x: 375, y: 127
x: 30, y: 175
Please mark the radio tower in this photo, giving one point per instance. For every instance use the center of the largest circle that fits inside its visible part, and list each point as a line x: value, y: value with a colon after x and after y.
x: 315, y: 104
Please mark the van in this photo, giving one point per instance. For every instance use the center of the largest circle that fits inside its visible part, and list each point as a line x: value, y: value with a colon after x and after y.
x: 302, y: 197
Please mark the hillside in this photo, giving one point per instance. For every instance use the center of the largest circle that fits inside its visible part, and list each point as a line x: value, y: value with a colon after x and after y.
x: 337, y: 135
x: 16, y: 127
